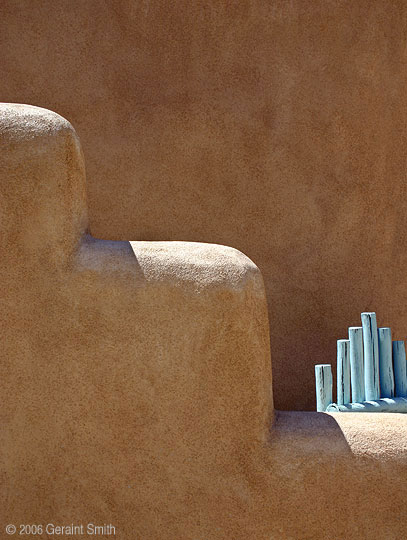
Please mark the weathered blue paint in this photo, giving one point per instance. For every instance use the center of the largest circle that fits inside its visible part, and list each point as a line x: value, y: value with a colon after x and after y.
x: 356, y: 363
x: 400, y: 368
x: 396, y: 405
x: 323, y: 383
x: 385, y: 363
x: 371, y: 356
x: 343, y: 371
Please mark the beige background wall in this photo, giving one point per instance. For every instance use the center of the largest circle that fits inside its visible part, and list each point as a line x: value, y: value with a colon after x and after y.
x: 276, y: 127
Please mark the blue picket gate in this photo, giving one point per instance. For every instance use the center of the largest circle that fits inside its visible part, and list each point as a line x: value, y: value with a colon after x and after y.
x: 371, y: 372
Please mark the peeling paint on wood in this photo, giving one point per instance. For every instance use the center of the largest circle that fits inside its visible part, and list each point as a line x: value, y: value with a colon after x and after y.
x: 356, y: 363
x: 371, y: 356
x: 385, y: 363
x: 343, y: 371
x: 400, y: 368
x: 323, y: 381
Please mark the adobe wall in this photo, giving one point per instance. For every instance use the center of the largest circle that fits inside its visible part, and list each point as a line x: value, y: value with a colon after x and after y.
x: 278, y: 128
x: 135, y: 383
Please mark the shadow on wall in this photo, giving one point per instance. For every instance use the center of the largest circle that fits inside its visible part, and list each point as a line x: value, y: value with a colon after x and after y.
x: 321, y: 464
x: 309, y: 427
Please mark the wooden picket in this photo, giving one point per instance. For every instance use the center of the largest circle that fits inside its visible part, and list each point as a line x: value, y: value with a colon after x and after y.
x: 371, y: 367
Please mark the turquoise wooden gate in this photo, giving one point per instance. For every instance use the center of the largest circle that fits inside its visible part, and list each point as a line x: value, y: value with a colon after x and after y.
x: 371, y: 372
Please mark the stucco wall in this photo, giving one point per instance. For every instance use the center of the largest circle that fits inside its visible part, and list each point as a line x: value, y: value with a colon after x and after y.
x: 276, y: 127
x: 135, y: 382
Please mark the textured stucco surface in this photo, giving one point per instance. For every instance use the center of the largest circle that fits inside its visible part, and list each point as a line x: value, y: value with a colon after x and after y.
x: 276, y: 127
x: 136, y: 387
